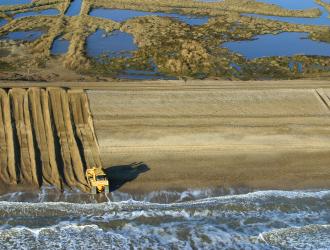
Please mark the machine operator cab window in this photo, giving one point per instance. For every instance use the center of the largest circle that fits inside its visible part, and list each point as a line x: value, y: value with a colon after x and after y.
x: 101, y: 178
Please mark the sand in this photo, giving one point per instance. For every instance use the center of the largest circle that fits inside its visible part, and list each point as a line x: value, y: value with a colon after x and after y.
x: 46, y: 138
x: 217, y: 134
x: 167, y: 135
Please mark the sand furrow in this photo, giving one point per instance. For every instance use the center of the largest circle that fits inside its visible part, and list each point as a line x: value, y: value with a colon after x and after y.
x: 73, y: 166
x: 7, y: 157
x: 45, y: 144
x: 46, y: 138
x: 84, y: 128
x: 28, y: 171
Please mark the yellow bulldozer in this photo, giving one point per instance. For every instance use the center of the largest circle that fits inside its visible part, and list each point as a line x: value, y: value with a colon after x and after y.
x: 98, y: 180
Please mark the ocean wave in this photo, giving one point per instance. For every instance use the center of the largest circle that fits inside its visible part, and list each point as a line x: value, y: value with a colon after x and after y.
x: 305, y: 237
x: 48, y: 194
x: 60, y: 237
x: 169, y: 236
x: 170, y: 196
x: 264, y: 207
x: 71, y: 236
x: 255, y: 201
x: 231, y: 221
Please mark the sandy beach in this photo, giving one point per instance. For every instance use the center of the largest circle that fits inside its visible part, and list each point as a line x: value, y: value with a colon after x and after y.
x: 215, y: 135
x: 255, y: 135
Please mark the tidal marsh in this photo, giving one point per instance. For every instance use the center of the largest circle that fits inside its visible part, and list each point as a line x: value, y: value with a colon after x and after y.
x: 165, y: 33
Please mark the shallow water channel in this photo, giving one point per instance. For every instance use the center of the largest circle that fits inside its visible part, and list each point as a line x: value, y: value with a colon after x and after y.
x: 14, y: 2
x: 296, y: 5
x: 48, y: 12
x: 282, y: 44
x: 293, y: 4
x: 119, y: 15
x: 28, y: 36
x: 74, y: 8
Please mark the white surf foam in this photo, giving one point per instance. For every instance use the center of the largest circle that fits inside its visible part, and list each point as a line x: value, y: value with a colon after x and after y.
x: 305, y: 237
x: 130, y: 236
x: 232, y: 221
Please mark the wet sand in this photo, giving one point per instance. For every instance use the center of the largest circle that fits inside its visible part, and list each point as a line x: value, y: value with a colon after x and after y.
x: 255, y: 135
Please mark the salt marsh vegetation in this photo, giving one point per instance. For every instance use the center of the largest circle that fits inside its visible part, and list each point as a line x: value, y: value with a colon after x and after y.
x: 164, y: 36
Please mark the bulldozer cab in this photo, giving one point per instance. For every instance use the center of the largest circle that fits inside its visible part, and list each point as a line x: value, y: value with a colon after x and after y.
x: 98, y: 180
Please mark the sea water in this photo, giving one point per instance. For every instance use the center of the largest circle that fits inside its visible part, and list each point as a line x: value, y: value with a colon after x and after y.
x: 194, y: 219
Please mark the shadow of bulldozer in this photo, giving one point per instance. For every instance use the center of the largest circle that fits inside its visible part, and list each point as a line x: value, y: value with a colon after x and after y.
x: 119, y: 175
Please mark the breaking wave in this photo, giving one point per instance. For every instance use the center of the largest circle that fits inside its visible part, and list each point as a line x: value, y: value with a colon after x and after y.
x: 255, y: 220
x: 76, y: 196
x: 306, y: 237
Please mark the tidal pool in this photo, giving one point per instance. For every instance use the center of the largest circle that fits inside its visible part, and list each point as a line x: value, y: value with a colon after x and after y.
x: 29, y: 36
x: 118, y: 44
x: 112, y: 45
x: 60, y: 46
x: 49, y: 12
x: 283, y: 44
x: 297, y: 4
x: 296, y: 65
x: 74, y: 8
x: 121, y: 15
x: 3, y: 22
x: 14, y: 2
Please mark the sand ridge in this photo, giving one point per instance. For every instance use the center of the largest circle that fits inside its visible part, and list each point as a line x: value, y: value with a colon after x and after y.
x: 46, y: 138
